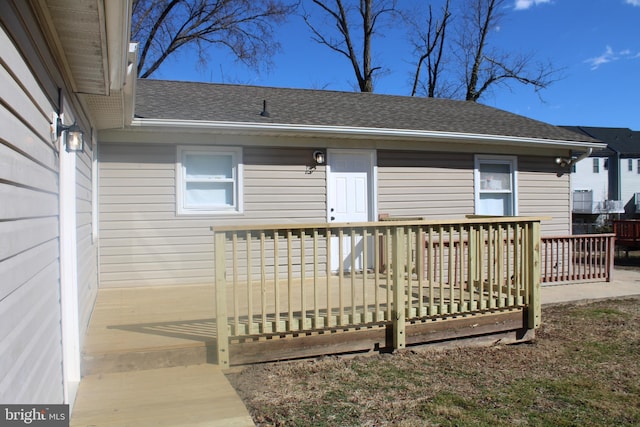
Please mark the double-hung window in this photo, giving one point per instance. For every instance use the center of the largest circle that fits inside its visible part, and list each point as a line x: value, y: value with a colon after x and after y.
x: 209, y: 180
x: 495, y: 185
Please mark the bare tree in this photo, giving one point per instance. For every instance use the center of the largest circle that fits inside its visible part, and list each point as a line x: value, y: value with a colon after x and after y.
x: 485, y: 67
x: 243, y: 26
x: 345, y: 16
x: 429, y: 45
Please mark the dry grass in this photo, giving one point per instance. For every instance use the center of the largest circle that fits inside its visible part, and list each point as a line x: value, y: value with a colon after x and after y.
x: 583, y: 369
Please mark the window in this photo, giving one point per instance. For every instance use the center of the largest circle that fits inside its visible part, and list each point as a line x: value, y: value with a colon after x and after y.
x: 606, y: 164
x: 638, y: 166
x: 209, y: 180
x: 630, y: 165
x: 596, y: 165
x: 495, y: 179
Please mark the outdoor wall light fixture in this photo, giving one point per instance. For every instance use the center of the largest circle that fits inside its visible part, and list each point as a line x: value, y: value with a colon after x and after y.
x: 319, y: 157
x: 563, y: 163
x: 71, y: 137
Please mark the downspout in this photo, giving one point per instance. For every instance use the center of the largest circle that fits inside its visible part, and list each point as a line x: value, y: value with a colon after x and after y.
x: 581, y: 156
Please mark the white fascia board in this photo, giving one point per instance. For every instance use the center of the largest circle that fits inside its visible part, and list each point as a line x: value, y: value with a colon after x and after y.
x: 117, y: 15
x: 352, y: 132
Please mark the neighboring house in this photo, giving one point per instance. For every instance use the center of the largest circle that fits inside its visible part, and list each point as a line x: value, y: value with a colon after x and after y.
x: 198, y: 155
x: 67, y: 60
x: 607, y: 182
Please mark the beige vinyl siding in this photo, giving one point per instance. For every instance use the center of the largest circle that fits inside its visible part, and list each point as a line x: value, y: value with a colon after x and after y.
x: 143, y: 242
x: 440, y: 185
x: 541, y: 192
x: 30, y: 354
x: 430, y: 185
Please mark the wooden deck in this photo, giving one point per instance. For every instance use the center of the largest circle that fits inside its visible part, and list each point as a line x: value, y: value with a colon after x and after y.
x: 148, y: 360
x: 154, y: 327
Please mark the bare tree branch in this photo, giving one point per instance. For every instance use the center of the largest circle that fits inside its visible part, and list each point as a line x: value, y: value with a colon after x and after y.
x: 485, y: 67
x: 244, y: 26
x: 341, y: 14
x: 429, y: 44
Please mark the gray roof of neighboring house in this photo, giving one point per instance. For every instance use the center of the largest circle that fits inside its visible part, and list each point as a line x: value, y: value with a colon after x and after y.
x: 161, y: 99
x: 623, y: 141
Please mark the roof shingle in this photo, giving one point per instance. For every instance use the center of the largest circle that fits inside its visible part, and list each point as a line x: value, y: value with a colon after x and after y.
x: 162, y: 99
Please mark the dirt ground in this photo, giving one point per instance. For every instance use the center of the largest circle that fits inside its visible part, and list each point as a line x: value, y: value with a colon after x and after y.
x: 583, y: 369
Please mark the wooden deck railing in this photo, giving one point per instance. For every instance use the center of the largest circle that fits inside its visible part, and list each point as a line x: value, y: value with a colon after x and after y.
x: 293, y: 279
x: 577, y: 258
x: 627, y: 232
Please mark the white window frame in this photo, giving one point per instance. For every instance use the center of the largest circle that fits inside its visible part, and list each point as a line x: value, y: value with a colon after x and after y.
x: 512, y: 162
x: 181, y: 180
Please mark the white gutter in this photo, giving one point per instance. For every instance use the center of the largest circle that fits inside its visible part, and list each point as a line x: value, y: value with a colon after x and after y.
x: 355, y: 132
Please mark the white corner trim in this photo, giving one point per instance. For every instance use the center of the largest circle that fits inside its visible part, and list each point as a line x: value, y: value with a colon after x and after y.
x: 69, y: 277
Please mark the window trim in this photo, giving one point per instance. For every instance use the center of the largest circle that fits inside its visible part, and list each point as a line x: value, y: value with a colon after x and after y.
x: 181, y: 181
x: 512, y: 161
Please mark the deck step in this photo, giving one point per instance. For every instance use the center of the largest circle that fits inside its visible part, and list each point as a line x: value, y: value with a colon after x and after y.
x: 145, y: 359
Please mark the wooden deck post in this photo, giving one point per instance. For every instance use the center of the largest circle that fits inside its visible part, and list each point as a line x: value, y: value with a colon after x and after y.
x: 222, y: 331
x: 534, y: 274
x: 398, y: 249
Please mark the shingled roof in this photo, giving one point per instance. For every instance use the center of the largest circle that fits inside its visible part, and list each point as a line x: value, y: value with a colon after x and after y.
x: 176, y: 100
x: 623, y: 141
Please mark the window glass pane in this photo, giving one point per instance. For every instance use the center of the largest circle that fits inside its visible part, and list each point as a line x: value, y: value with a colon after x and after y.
x: 207, y: 194
x: 495, y: 204
x: 199, y: 166
x: 495, y: 176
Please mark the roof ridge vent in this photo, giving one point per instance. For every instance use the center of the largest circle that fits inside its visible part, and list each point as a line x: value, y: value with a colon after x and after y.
x: 265, y: 112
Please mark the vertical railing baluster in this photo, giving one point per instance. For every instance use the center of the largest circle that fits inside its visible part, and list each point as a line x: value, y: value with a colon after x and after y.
x: 471, y: 265
x: 329, y: 321
x: 441, y: 242
x: 352, y: 280
x: 316, y: 301
x: 234, y: 283
x: 340, y: 275
x: 377, y: 253
x: 276, y: 279
x: 290, y: 307
x: 430, y: 269
x: 420, y: 269
x: 450, y: 273
x: 407, y: 268
x: 365, y: 260
x: 500, y: 280
x: 303, y: 284
x: 263, y: 282
x: 388, y: 256
x: 249, y: 285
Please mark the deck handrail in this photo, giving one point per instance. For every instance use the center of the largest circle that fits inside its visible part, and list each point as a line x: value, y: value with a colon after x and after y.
x: 577, y: 258
x: 296, y: 278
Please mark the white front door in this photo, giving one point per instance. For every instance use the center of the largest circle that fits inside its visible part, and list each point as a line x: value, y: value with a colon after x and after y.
x: 349, y: 197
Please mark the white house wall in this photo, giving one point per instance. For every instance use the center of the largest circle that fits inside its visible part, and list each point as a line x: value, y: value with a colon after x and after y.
x: 630, y: 182
x: 31, y: 342
x: 584, y: 178
x: 144, y: 243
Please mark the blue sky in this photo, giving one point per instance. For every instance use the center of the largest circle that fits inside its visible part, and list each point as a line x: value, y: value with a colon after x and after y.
x: 596, y: 43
